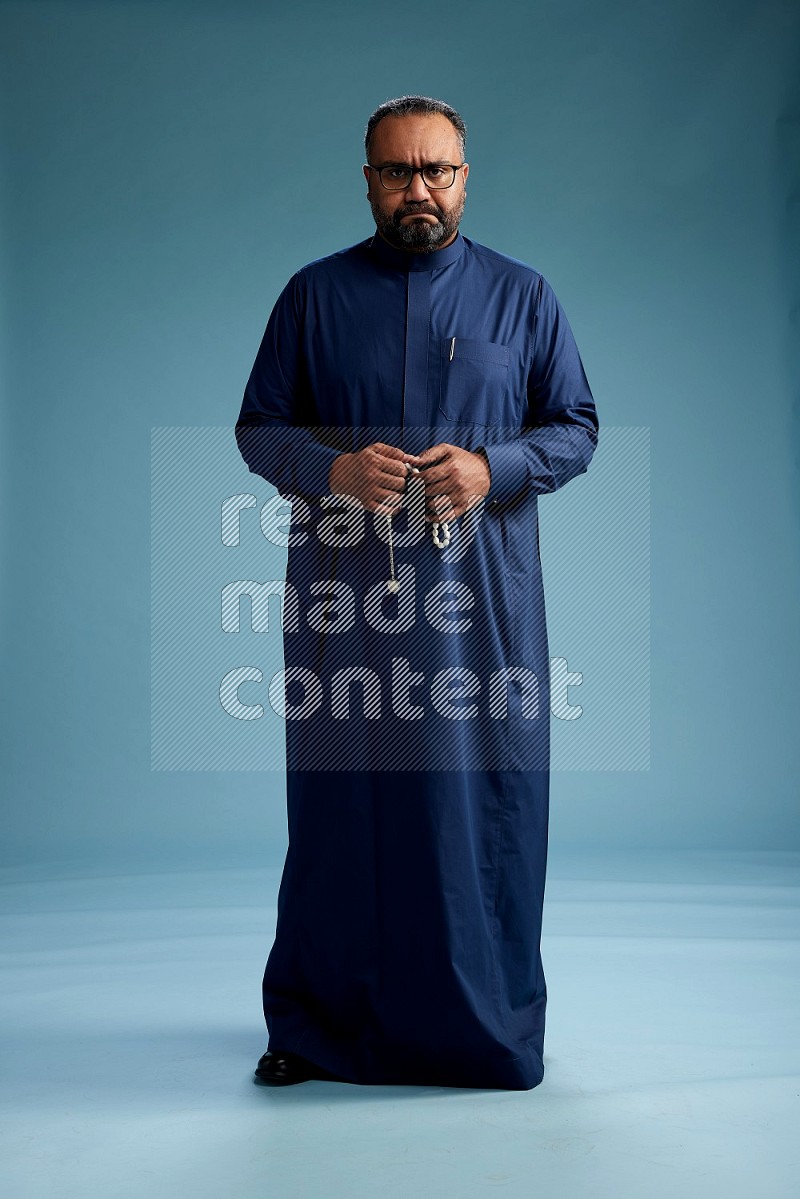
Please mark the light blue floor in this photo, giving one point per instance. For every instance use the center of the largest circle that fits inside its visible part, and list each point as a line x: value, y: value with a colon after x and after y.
x: 131, y: 1022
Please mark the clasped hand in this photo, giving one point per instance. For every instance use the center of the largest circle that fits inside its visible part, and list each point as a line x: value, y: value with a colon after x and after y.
x: 455, y: 479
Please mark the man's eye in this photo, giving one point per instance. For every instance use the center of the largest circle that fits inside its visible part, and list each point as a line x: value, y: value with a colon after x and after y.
x: 396, y: 172
x: 435, y: 172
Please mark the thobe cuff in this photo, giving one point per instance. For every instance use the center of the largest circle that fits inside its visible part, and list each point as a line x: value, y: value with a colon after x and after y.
x: 508, y: 469
x: 289, y: 457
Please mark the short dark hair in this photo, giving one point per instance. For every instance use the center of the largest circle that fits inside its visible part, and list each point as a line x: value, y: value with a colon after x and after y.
x: 405, y: 106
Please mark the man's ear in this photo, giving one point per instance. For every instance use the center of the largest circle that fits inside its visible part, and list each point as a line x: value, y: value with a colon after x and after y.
x: 365, y: 169
x: 466, y: 171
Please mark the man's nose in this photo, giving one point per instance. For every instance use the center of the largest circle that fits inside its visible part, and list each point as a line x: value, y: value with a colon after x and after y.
x: 417, y: 190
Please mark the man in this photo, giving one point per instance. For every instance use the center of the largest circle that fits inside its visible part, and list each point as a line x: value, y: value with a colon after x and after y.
x: 412, y: 396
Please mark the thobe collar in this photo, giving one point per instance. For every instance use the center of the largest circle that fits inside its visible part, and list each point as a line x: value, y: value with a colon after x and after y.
x: 409, y: 260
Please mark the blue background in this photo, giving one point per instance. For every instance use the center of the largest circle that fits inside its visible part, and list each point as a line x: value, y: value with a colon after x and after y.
x: 168, y: 166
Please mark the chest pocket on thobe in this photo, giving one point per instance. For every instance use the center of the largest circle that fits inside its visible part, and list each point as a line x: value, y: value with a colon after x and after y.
x: 474, y: 381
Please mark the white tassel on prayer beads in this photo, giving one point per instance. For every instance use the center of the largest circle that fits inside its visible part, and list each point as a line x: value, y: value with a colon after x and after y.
x: 444, y: 541
x: 440, y: 541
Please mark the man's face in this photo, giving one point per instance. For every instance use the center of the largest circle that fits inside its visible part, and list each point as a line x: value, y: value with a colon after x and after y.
x: 419, y: 218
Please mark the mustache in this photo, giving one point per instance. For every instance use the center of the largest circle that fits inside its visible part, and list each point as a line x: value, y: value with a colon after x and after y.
x: 414, y: 209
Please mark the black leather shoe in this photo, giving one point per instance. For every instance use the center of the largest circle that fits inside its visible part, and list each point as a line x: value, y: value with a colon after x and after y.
x: 278, y: 1069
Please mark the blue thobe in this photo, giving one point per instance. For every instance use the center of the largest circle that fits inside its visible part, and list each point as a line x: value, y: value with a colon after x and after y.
x: 407, y: 947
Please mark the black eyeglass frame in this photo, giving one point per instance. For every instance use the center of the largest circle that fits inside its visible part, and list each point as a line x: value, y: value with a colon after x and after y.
x: 390, y: 166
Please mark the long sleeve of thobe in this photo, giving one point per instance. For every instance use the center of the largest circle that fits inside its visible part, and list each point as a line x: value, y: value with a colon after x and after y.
x: 560, y: 438
x: 277, y: 404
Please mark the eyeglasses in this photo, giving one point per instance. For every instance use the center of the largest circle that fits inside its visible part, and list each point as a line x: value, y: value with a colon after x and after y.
x: 397, y: 176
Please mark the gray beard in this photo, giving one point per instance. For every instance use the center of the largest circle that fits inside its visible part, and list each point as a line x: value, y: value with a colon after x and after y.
x: 420, y: 236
